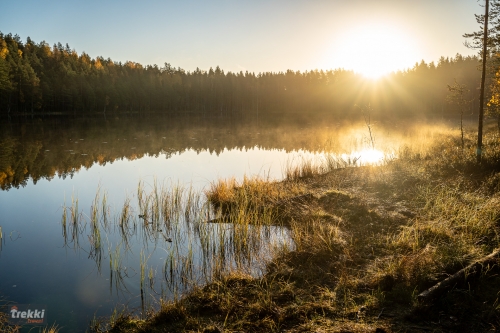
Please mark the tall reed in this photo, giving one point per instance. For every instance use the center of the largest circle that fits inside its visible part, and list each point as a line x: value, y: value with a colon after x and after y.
x: 64, y: 219
x: 115, y: 269
x: 75, y: 221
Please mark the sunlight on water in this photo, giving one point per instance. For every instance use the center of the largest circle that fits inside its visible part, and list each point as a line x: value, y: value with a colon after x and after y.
x: 366, y: 157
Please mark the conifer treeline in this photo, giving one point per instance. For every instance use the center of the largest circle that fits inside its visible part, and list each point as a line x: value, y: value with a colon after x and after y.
x: 38, y: 79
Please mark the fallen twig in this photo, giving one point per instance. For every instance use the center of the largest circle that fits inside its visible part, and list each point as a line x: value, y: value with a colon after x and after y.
x: 460, y: 276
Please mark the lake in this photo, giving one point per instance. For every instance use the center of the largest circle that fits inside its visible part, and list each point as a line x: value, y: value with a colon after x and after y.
x: 74, y: 193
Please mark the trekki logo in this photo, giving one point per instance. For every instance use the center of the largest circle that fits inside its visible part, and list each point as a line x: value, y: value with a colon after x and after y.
x: 22, y: 314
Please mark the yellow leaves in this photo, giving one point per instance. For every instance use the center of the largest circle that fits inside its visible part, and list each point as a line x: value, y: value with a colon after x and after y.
x: 133, y: 65
x: 3, y: 49
x: 495, y: 99
x: 47, y: 50
x: 6, y: 176
x: 495, y: 96
x: 3, y: 177
x: 84, y: 58
x: 9, y: 171
x: 101, y: 159
x: 3, y: 53
x: 98, y: 64
x: 19, y: 53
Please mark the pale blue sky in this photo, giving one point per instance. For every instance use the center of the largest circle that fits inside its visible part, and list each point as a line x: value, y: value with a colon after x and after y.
x: 251, y: 35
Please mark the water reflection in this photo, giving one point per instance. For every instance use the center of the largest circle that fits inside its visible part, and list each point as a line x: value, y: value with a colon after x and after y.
x: 48, y: 149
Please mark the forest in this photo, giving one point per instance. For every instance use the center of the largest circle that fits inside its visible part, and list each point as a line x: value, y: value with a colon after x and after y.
x: 38, y: 80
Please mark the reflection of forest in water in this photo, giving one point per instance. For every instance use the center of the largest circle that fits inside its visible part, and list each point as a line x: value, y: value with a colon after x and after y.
x: 49, y: 148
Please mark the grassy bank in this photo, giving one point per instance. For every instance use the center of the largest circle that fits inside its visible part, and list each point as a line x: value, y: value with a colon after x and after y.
x: 368, y: 241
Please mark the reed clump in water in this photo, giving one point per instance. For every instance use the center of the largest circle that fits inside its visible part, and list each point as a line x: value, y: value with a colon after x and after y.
x: 253, y: 201
x: 366, y: 244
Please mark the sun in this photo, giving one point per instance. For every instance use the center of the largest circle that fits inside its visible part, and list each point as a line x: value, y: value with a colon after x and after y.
x: 373, y: 50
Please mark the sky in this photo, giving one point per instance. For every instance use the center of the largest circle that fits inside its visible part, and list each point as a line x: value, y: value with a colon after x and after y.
x: 368, y: 36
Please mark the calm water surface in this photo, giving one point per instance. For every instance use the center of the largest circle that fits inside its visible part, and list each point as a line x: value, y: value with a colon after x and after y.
x: 44, y: 164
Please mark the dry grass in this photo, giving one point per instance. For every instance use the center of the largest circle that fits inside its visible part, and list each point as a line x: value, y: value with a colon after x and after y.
x: 7, y: 328
x: 225, y: 194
